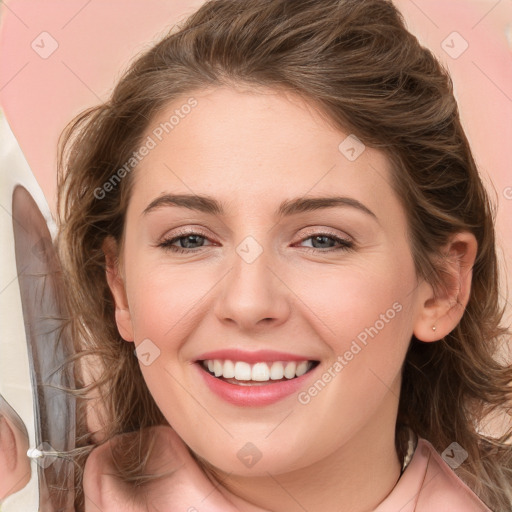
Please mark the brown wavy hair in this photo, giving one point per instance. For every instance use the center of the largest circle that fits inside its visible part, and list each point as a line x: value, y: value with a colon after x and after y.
x: 356, y: 62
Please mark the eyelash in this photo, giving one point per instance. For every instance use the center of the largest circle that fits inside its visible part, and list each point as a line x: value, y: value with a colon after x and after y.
x: 345, y: 245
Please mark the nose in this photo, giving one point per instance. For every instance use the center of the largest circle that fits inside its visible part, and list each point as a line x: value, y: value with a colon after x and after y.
x: 253, y: 295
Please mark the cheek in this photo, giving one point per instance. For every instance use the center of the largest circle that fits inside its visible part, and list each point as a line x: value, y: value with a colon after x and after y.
x: 165, y: 300
x: 364, y: 315
x: 362, y: 302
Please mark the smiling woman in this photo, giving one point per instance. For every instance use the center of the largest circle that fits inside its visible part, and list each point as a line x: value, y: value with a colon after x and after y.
x: 314, y: 227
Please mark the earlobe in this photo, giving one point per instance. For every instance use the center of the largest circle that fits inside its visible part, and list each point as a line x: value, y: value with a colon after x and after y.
x: 442, y: 308
x: 117, y: 287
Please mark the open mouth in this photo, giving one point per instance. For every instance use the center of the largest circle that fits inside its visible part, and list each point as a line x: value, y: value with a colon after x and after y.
x: 242, y: 373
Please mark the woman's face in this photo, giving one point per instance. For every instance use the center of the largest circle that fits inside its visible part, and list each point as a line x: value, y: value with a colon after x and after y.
x: 267, y: 281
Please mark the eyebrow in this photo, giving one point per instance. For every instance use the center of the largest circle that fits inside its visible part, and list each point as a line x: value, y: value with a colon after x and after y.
x: 210, y: 205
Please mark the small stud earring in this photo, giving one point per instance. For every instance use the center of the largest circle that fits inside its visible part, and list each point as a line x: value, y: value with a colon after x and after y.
x: 433, y: 327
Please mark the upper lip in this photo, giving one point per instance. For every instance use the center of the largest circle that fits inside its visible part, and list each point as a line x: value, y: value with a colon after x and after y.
x: 257, y: 356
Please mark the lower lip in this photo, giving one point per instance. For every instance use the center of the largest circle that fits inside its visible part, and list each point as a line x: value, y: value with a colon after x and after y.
x: 252, y: 396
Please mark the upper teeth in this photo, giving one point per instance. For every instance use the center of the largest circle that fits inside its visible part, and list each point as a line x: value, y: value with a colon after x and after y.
x: 240, y: 370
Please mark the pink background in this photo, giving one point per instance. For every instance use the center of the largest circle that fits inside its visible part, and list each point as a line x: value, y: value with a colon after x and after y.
x: 94, y: 41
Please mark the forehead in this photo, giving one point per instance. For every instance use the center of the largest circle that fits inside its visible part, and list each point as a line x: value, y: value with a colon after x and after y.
x: 253, y: 147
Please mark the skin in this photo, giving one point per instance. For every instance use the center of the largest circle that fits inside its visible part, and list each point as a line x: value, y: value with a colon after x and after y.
x: 251, y: 150
x: 14, y: 463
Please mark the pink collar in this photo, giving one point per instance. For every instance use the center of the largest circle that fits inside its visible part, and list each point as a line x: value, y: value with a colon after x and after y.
x: 428, y: 483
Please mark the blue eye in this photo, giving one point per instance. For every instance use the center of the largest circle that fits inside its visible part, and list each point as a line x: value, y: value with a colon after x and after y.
x: 321, y: 238
x: 189, y: 239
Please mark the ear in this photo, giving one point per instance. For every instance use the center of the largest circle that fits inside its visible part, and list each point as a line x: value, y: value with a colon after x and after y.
x: 117, y: 287
x: 443, y: 307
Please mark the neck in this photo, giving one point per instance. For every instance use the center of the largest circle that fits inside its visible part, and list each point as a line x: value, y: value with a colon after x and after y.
x: 358, y: 476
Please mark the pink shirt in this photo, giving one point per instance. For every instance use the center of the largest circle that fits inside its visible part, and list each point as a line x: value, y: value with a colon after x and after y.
x: 428, y: 484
